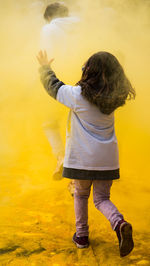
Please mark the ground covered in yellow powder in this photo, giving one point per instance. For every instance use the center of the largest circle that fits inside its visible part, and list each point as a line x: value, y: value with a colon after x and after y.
x: 36, y: 213
x: 37, y: 221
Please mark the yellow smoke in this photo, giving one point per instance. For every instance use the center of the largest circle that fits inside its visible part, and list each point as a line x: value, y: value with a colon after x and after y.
x: 120, y: 27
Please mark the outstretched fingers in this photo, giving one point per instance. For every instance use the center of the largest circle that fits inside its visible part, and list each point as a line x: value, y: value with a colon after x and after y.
x: 43, y: 59
x: 50, y: 61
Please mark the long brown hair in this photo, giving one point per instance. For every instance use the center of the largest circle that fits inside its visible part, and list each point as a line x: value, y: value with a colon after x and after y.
x: 104, y: 82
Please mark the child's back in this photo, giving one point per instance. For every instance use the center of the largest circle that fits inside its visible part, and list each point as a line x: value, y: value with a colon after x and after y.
x: 91, y: 142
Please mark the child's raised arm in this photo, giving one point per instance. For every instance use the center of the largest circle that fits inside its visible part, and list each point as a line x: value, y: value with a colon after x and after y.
x: 65, y: 94
x: 48, y: 78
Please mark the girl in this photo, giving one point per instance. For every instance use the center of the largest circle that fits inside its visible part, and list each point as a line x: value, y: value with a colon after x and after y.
x: 91, y: 155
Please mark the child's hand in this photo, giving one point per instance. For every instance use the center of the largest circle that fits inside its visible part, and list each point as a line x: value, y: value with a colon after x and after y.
x: 43, y: 60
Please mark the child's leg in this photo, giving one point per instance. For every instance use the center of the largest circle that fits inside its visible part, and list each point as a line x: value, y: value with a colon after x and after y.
x: 81, y: 195
x: 51, y: 131
x: 101, y: 197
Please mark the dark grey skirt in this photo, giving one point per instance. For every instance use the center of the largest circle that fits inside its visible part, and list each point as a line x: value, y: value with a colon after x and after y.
x: 90, y: 174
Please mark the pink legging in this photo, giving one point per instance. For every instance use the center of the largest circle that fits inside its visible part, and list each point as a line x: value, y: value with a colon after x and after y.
x: 101, y: 195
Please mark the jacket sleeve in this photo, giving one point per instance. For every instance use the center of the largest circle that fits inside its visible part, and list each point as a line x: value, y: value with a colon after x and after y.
x: 65, y: 94
x: 49, y: 80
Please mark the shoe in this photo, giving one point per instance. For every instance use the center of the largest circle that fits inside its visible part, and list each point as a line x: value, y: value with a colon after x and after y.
x: 124, y: 234
x: 81, y: 242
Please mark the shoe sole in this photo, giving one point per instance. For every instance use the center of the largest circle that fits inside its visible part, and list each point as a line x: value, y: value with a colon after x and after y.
x: 127, y: 243
x: 78, y: 245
